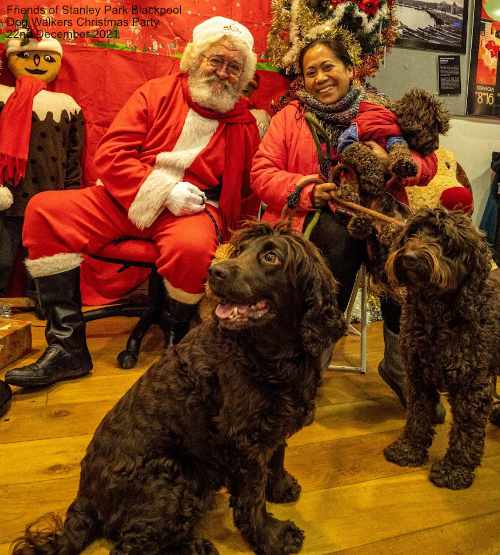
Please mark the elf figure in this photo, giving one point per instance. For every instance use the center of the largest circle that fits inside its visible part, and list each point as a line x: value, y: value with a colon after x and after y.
x: 41, y: 138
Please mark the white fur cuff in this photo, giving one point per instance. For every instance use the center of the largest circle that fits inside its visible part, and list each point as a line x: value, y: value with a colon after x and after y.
x: 150, y: 200
x: 6, y: 198
x: 52, y: 265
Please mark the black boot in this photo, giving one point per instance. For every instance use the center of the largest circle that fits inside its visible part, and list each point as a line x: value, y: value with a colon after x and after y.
x: 5, y: 397
x: 177, y: 317
x: 392, y: 371
x: 67, y: 355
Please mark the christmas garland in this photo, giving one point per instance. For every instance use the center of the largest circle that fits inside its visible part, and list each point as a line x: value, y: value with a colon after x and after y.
x: 368, y: 23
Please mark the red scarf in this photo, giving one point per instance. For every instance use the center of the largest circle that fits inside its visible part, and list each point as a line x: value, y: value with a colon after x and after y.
x: 15, y: 129
x: 242, y: 139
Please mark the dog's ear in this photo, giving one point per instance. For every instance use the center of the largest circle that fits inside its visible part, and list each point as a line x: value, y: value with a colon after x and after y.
x: 442, y: 117
x: 322, y: 321
x: 467, y: 242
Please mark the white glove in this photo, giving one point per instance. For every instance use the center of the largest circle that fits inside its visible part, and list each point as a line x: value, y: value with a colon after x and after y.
x: 185, y: 198
x: 6, y: 198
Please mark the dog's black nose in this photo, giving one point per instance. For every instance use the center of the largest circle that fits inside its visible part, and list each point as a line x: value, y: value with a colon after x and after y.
x: 219, y: 272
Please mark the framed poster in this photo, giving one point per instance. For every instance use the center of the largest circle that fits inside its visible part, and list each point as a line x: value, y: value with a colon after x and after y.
x: 483, y: 97
x: 433, y: 25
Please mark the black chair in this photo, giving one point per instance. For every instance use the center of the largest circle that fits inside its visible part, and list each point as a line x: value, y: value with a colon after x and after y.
x: 129, y: 252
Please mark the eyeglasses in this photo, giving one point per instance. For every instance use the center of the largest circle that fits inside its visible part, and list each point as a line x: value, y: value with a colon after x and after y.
x: 218, y: 63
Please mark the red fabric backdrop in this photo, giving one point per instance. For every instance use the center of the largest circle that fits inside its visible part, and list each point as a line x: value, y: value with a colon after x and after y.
x: 102, y: 73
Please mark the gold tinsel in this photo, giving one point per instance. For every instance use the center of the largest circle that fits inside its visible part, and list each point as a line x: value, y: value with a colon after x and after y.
x: 292, y: 20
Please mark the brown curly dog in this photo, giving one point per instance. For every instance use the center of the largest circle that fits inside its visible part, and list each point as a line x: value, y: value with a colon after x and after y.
x: 450, y: 339
x: 215, y: 411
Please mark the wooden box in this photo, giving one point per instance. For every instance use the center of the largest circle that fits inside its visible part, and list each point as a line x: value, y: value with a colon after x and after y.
x: 15, y: 340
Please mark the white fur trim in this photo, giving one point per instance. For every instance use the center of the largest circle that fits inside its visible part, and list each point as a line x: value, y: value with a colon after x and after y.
x: 169, y: 169
x: 222, y: 26
x: 180, y: 295
x: 5, y: 93
x: 49, y: 44
x: 45, y: 102
x: 52, y: 265
x: 150, y: 200
x: 6, y: 198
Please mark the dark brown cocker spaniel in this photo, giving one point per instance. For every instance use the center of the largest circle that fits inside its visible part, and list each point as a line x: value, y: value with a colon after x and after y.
x: 450, y: 338
x: 215, y: 411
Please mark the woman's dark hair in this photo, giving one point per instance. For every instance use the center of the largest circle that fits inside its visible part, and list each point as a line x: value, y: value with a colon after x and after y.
x: 335, y: 45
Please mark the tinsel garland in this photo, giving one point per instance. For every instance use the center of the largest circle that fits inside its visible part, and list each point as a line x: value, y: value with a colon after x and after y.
x: 370, y: 23
x: 374, y: 312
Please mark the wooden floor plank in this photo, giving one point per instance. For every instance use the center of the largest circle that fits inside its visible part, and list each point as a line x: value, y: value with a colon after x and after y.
x: 353, y: 500
x: 351, y: 516
x: 475, y: 535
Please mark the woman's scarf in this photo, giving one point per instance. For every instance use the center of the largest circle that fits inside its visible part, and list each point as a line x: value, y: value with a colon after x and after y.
x: 336, y: 117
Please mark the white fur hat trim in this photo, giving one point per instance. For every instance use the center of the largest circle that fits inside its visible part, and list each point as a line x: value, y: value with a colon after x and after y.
x: 222, y: 26
x: 6, y: 198
x: 47, y: 43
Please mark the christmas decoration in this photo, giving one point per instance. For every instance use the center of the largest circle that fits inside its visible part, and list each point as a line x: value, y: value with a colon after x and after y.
x: 367, y: 28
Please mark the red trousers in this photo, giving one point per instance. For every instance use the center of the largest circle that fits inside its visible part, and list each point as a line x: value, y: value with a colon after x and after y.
x: 84, y: 220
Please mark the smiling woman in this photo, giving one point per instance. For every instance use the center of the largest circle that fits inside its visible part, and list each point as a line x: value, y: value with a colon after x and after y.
x: 290, y: 172
x: 327, y: 71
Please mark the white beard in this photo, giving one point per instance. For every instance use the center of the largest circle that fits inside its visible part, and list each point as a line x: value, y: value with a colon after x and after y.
x: 213, y: 93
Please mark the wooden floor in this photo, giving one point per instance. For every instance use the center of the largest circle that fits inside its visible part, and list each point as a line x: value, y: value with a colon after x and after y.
x: 353, y: 501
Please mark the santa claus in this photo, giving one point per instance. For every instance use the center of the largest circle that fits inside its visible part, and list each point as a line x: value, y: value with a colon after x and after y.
x: 174, y: 169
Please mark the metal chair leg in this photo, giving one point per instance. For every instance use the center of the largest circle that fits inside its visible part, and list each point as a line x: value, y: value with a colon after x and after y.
x: 359, y: 284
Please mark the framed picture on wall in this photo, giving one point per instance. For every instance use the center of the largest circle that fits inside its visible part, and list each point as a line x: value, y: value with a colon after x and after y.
x: 483, y: 97
x: 433, y: 25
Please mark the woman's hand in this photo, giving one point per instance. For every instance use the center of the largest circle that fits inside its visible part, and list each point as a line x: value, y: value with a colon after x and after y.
x: 308, y: 179
x: 323, y: 193
x: 379, y: 152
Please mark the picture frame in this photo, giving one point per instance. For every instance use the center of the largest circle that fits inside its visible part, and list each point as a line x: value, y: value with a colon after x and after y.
x: 483, y: 91
x: 439, y: 25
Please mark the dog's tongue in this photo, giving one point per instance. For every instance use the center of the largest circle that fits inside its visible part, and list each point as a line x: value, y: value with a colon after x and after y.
x: 230, y: 310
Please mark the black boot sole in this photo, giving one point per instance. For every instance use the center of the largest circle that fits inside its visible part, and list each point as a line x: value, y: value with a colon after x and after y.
x: 33, y: 382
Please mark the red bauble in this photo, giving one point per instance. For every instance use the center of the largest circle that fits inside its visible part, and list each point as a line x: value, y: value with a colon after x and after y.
x: 370, y: 7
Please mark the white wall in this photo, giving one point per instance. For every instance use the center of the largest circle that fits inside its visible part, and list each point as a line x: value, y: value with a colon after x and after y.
x: 472, y: 140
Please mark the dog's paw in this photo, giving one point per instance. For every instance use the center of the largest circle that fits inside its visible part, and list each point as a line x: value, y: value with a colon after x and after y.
x: 401, y: 452
x: 292, y: 538
x: 445, y: 475
x: 360, y: 227
x: 281, y: 537
x: 284, y: 489
x: 404, y: 168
